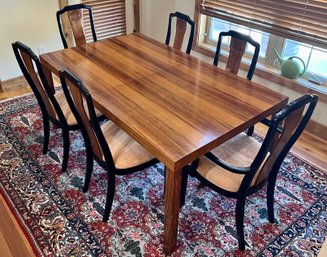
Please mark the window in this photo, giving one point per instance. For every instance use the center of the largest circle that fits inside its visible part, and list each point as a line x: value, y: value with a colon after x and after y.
x: 109, y: 18
x: 216, y: 26
x: 315, y: 58
x: 302, y: 20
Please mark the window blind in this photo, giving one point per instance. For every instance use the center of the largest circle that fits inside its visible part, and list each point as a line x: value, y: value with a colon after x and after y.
x: 302, y: 20
x: 109, y: 18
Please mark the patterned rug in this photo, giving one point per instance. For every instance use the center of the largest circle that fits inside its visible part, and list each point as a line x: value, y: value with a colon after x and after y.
x: 60, y: 220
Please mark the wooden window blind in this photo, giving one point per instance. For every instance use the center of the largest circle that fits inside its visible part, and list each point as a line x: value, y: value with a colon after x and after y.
x: 302, y: 20
x: 109, y: 18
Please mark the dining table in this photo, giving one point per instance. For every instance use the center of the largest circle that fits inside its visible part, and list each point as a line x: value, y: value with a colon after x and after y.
x: 175, y: 105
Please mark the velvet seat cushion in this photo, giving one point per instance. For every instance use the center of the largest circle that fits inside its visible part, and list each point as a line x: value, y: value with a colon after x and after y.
x: 239, y: 151
x: 126, y: 152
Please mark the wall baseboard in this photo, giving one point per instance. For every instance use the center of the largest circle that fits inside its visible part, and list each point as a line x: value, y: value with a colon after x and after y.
x: 12, y: 84
x: 317, y: 129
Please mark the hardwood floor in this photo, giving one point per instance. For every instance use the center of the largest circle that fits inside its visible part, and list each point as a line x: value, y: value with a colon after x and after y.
x: 308, y: 146
x: 14, y: 93
x: 13, y: 242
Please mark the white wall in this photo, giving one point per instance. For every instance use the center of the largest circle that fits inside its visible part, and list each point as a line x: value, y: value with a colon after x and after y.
x: 154, y: 17
x: 155, y: 13
x: 185, y: 6
x: 129, y: 16
x: 31, y: 21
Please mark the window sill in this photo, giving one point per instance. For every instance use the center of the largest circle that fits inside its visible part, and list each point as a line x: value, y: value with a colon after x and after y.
x: 300, y: 85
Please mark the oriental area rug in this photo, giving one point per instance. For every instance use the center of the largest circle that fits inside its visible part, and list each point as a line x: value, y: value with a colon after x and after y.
x: 60, y: 220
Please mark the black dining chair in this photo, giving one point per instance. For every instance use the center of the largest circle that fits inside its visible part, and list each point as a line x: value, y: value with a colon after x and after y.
x: 75, y: 17
x: 238, y: 43
x: 181, y: 23
x: 237, y: 48
x: 242, y: 165
x: 53, y: 104
x: 113, y: 149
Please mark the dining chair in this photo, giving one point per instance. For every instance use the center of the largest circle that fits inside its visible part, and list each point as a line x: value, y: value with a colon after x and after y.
x: 242, y: 165
x: 75, y: 16
x: 238, y: 42
x: 53, y: 105
x: 113, y: 149
x: 181, y: 22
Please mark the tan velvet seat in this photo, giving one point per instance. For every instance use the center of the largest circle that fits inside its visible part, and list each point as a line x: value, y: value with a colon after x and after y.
x: 125, y: 151
x: 239, y: 151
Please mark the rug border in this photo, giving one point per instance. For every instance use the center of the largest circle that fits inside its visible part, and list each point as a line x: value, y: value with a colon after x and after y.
x: 20, y: 221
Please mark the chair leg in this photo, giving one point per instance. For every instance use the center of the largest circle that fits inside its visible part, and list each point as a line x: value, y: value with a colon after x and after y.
x: 250, y: 131
x: 46, y: 132
x: 110, y: 197
x: 89, y: 168
x: 270, y: 200
x: 240, y: 205
x: 65, y: 133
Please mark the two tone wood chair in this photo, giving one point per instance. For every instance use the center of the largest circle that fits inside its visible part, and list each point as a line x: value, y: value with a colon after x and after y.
x: 238, y: 43
x: 53, y: 105
x: 242, y: 165
x: 107, y: 144
x: 181, y: 23
x: 75, y: 17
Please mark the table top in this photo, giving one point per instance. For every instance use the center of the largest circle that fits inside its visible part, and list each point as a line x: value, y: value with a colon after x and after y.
x: 175, y: 105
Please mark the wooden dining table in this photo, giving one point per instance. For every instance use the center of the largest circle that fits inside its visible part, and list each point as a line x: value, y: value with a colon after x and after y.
x: 175, y: 105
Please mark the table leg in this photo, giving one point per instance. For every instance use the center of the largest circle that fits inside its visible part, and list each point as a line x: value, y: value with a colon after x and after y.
x: 172, y: 199
x: 49, y: 78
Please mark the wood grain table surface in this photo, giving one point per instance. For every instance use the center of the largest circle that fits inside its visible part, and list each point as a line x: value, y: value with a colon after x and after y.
x: 175, y: 105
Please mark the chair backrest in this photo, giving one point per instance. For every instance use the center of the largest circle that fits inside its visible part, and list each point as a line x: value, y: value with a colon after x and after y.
x: 292, y: 120
x: 75, y: 17
x: 27, y: 60
x: 181, y: 22
x: 77, y: 95
x: 237, y: 48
